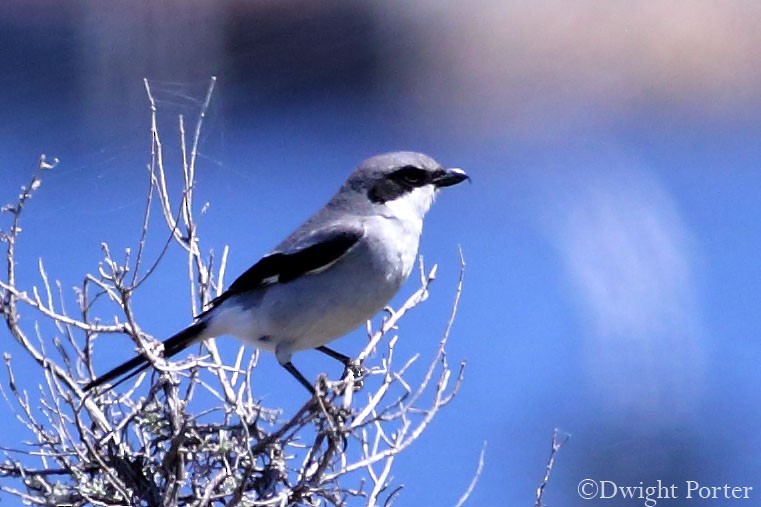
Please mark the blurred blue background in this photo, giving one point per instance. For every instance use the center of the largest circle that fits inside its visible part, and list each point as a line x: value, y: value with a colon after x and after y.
x: 612, y: 231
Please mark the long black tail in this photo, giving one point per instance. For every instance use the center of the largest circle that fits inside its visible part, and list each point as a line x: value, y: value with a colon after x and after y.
x: 139, y: 363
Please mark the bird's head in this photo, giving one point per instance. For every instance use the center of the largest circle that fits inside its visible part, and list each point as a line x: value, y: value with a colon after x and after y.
x: 403, y: 182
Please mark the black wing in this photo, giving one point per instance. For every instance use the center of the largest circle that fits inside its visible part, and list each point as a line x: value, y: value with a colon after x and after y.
x: 314, y: 253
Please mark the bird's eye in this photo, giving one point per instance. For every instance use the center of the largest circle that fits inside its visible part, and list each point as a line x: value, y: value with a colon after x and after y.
x: 412, y: 175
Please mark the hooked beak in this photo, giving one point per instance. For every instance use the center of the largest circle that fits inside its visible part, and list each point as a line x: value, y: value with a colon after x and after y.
x: 449, y: 177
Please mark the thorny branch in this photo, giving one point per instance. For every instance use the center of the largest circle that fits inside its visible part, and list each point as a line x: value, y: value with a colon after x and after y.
x: 197, y: 436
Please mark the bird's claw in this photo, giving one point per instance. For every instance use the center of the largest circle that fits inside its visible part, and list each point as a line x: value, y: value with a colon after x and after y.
x: 355, y: 373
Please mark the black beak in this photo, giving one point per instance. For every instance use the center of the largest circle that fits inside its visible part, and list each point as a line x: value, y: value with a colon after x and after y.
x: 449, y: 177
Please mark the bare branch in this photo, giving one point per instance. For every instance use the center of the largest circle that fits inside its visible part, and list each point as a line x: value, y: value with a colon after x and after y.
x: 474, y: 480
x: 558, y: 440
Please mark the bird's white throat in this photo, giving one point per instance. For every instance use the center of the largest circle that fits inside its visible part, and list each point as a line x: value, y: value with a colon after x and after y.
x: 412, y: 206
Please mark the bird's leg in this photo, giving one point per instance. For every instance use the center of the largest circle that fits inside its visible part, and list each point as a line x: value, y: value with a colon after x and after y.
x: 298, y: 376
x: 283, y: 353
x: 349, y: 364
x: 346, y: 360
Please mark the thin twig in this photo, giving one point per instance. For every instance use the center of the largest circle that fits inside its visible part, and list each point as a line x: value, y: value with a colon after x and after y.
x: 474, y: 479
x: 558, y: 440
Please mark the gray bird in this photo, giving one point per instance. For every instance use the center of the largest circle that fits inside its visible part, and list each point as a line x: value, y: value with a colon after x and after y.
x: 336, y: 271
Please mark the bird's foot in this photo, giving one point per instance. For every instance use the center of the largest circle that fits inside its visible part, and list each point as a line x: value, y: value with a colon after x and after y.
x: 354, y: 375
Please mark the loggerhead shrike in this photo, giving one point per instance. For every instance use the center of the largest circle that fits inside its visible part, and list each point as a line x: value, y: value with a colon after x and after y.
x: 332, y: 274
